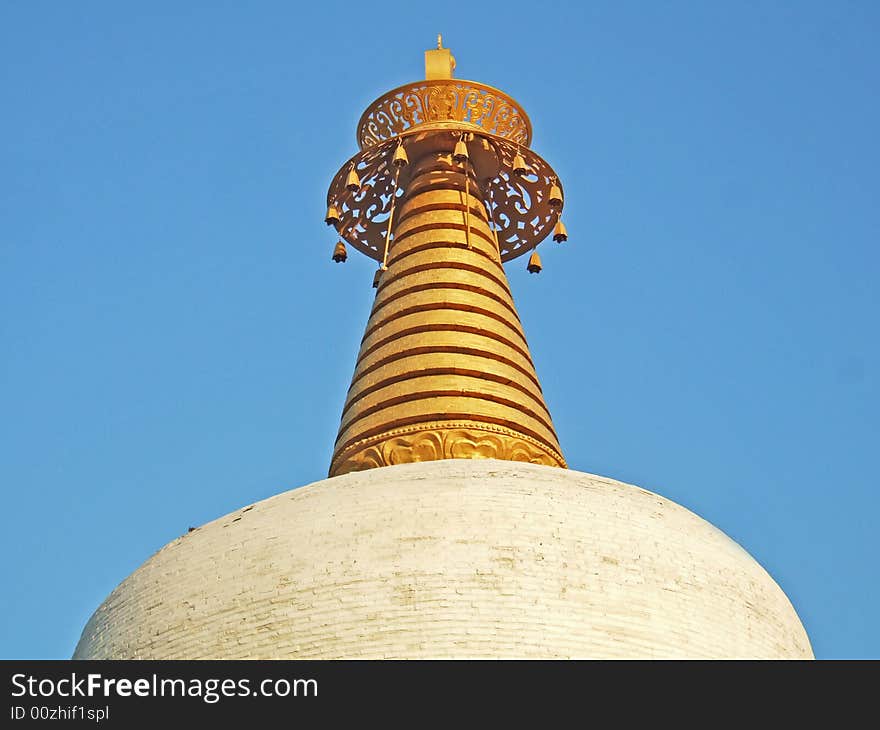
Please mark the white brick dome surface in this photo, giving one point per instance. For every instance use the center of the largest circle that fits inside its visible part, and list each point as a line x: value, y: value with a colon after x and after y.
x: 457, y: 558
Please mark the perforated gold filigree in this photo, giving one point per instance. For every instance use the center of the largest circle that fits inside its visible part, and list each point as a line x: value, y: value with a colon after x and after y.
x: 466, y: 103
x: 521, y: 213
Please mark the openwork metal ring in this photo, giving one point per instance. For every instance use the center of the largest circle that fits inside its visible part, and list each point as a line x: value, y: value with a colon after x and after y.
x: 520, y: 210
x: 439, y: 102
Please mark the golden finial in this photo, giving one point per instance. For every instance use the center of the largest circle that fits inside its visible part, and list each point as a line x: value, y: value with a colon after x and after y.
x: 439, y: 42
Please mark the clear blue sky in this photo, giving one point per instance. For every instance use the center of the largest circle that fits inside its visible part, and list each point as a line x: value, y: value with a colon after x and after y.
x: 176, y: 342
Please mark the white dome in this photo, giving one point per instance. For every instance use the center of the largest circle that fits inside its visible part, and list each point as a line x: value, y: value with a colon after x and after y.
x: 456, y: 558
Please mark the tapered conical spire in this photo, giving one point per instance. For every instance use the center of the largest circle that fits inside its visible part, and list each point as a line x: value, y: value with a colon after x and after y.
x: 444, y: 369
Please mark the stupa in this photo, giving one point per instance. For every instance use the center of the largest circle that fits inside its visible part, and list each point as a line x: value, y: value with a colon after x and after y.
x: 450, y: 525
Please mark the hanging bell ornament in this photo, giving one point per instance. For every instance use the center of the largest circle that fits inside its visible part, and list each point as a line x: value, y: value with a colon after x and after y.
x: 339, y: 253
x: 400, y: 158
x: 461, y: 151
x: 332, y: 217
x: 520, y: 169
x: 534, y: 266
x: 378, y: 275
x: 559, y: 232
x: 555, y: 197
x: 353, y: 182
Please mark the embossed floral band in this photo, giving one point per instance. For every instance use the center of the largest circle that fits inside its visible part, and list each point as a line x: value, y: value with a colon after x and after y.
x: 444, y: 440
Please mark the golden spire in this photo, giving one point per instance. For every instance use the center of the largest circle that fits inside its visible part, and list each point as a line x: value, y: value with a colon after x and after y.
x: 448, y: 189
